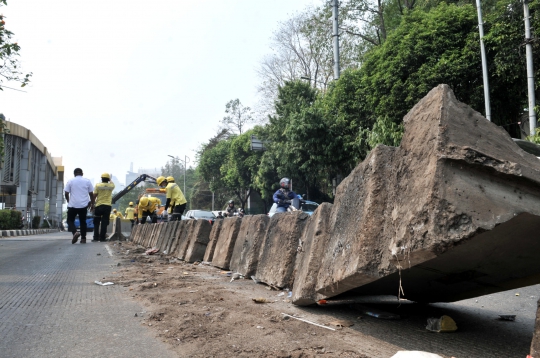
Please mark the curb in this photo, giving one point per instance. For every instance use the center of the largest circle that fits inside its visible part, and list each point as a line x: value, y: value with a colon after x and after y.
x: 10, y: 233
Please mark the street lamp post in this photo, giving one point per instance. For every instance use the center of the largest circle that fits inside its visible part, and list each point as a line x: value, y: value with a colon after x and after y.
x: 186, y: 158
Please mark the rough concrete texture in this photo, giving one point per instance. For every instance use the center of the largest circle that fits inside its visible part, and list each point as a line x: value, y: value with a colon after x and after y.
x: 278, y: 251
x: 245, y: 256
x: 183, y: 239
x: 225, y: 242
x: 173, y: 245
x: 198, y: 241
x: 310, y: 252
x: 133, y: 234
x: 535, y: 346
x: 214, y: 236
x: 170, y: 235
x: 456, y: 206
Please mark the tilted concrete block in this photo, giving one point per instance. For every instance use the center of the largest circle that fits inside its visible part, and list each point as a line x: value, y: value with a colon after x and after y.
x: 225, y: 242
x: 198, y: 241
x: 452, y: 213
x: 173, y: 245
x: 245, y: 256
x: 310, y: 253
x: 278, y: 251
x: 214, y: 236
x: 169, y: 236
x: 183, y: 240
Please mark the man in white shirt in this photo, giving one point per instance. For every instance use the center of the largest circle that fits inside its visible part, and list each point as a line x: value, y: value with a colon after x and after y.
x: 79, y: 193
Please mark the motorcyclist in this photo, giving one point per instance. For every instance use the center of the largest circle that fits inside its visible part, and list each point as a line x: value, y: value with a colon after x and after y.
x: 283, y: 195
x: 231, y: 210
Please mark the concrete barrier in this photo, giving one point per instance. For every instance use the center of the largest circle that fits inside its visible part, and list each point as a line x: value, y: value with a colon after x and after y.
x: 225, y: 242
x: 214, y: 236
x: 311, y: 249
x: 183, y: 239
x: 535, y: 345
x: 246, y: 252
x: 198, y: 241
x: 278, y: 251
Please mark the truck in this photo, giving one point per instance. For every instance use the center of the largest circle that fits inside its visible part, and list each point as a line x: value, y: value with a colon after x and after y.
x: 148, y: 192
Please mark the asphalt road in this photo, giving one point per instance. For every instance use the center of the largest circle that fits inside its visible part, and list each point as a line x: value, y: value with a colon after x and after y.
x: 51, y: 307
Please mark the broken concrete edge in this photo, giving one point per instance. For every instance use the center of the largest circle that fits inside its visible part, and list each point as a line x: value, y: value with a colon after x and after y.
x: 225, y: 242
x: 26, y: 232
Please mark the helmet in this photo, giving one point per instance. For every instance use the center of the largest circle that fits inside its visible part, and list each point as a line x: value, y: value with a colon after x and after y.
x: 131, y: 203
x: 170, y: 179
x: 231, y: 202
x: 284, y: 183
x: 160, y: 180
x: 114, y: 210
x: 144, y: 201
x: 106, y: 175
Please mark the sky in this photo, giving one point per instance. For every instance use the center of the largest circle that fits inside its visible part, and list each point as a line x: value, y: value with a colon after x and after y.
x: 117, y: 82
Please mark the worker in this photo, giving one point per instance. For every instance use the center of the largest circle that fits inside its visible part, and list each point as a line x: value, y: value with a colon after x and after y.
x: 176, y: 201
x: 231, y: 210
x: 118, y: 214
x: 112, y: 217
x: 147, y: 207
x: 103, y: 194
x: 130, y: 213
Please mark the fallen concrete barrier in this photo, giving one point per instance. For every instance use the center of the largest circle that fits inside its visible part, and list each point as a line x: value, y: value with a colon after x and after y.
x: 214, y: 236
x: 198, y: 240
x: 225, y: 242
x: 246, y: 252
x: 311, y: 249
x: 450, y: 214
x: 278, y: 251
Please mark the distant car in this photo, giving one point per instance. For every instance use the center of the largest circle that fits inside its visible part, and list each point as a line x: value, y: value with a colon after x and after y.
x: 89, y: 222
x: 306, y: 206
x: 200, y: 214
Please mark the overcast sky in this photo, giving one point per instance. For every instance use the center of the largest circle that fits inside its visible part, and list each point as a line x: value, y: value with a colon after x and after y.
x: 121, y: 81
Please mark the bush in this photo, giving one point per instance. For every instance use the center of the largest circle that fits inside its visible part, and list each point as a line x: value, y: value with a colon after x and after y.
x: 35, y: 222
x: 10, y: 219
x: 45, y: 225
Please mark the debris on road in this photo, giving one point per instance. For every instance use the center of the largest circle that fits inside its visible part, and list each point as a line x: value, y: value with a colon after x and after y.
x: 306, y: 321
x: 341, y: 323
x: 103, y: 284
x: 440, y: 325
x: 236, y: 276
x: 260, y: 300
x: 375, y: 313
x: 507, y: 317
x: 415, y: 354
x: 151, y: 251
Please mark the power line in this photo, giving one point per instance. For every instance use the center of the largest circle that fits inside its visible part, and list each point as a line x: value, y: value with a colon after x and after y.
x: 12, y: 89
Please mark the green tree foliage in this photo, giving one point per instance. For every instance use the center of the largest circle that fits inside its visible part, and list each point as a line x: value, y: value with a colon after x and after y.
x: 9, y: 56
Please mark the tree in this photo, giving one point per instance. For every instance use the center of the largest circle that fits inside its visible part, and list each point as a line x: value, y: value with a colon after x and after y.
x: 9, y: 56
x: 238, y: 116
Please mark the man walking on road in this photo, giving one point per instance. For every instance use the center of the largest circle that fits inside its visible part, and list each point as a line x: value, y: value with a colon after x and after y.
x: 79, y: 195
x: 103, y: 196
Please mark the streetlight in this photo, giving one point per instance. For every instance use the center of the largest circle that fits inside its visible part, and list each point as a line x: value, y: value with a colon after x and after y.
x: 186, y: 158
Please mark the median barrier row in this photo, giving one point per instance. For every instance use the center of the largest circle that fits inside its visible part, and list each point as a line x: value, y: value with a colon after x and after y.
x: 10, y: 233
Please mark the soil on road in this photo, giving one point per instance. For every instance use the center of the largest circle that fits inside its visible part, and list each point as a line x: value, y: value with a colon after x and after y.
x: 200, y: 312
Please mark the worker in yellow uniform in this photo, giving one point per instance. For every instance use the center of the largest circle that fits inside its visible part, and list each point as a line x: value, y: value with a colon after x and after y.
x: 147, y: 207
x: 176, y: 202
x: 118, y: 214
x: 130, y: 213
x: 102, y: 211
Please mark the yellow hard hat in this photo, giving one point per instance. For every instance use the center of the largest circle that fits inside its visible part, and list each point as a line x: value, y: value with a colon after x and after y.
x: 170, y: 179
x: 144, y: 201
x: 114, y: 210
x: 131, y: 203
x: 106, y: 175
x: 160, y: 180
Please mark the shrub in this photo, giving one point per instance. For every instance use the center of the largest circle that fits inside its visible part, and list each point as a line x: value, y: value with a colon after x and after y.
x: 35, y: 222
x: 10, y: 219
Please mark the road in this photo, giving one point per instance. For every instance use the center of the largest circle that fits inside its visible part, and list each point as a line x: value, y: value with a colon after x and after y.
x: 50, y: 306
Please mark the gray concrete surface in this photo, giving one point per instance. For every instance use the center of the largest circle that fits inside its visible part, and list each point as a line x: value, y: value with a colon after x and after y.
x: 51, y: 307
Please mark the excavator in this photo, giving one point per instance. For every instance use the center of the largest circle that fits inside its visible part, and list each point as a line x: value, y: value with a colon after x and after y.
x: 149, y: 192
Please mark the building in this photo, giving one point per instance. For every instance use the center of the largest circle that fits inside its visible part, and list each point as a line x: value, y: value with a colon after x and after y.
x: 31, y: 180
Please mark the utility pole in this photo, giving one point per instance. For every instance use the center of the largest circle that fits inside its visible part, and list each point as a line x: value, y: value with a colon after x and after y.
x: 335, y: 35
x: 530, y: 69
x: 484, y: 61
